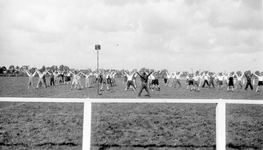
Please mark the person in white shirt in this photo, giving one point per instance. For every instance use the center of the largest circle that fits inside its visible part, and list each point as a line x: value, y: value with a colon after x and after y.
x: 130, y: 82
x: 105, y: 81
x: 41, y: 78
x: 220, y: 79
x: 151, y: 79
x: 260, y: 80
x: 30, y: 78
x: 155, y: 81
x: 75, y: 79
x: 87, y: 80
x: 177, y: 78
x: 205, y: 77
x: 225, y: 79
x: 169, y: 78
x: 190, y: 81
x: 211, y: 79
x: 187, y: 77
x: 172, y: 82
x: 196, y: 78
x: 239, y: 80
x: 112, y: 76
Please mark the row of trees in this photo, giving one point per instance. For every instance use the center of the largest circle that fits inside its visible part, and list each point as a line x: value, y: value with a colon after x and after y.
x: 20, y: 71
x: 12, y: 70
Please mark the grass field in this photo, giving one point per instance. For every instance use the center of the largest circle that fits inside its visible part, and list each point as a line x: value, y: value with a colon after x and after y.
x: 17, y: 87
x: 153, y: 125
x: 40, y: 126
x: 131, y: 126
x: 159, y: 126
x: 244, y: 126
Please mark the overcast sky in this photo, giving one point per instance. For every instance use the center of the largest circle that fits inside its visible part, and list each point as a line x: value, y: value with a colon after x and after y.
x: 211, y: 35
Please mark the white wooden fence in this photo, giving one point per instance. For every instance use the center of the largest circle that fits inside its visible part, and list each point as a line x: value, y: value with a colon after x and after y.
x: 220, y: 112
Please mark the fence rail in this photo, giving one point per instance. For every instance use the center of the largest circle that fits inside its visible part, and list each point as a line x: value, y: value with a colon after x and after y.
x: 220, y: 112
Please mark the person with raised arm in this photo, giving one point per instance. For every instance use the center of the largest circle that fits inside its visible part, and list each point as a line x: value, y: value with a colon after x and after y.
x: 155, y: 81
x: 230, y: 81
x: 190, y: 81
x: 87, y: 81
x: 74, y: 79
x: 197, y: 79
x: 211, y: 79
x: 105, y: 82
x: 112, y: 77
x: 168, y: 75
x: 225, y: 78
x: 30, y: 78
x: 239, y: 79
x: 134, y: 79
x: 144, y: 82
x: 41, y: 79
x: 177, y: 79
x: 205, y: 76
x: 173, y: 79
x: 220, y: 79
x: 151, y: 78
x: 52, y: 81
x: 55, y: 74
x: 129, y: 80
x: 249, y: 76
x: 260, y: 80
x: 67, y: 77
x: 79, y: 80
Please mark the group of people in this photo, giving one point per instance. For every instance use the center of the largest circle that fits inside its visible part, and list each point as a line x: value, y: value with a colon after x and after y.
x: 149, y: 80
x: 130, y: 80
x: 72, y: 77
x: 232, y: 80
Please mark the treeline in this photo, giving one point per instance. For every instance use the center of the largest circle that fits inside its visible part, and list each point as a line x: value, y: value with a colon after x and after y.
x: 16, y: 71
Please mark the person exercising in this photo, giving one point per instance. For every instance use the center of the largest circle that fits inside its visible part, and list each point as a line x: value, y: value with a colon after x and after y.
x: 144, y: 82
x: 30, y: 78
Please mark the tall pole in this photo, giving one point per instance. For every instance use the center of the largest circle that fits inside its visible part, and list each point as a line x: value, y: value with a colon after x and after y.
x: 97, y: 60
x: 97, y: 48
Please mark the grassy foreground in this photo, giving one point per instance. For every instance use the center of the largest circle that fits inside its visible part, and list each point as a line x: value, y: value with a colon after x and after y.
x: 244, y: 126
x: 153, y: 125
x: 39, y: 126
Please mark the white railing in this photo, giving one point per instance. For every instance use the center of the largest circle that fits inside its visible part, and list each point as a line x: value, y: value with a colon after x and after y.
x: 220, y: 112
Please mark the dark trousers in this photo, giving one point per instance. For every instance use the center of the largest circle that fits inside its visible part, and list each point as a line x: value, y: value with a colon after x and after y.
x: 211, y: 82
x: 249, y: 84
x: 52, y: 81
x: 144, y: 86
x: 205, y: 82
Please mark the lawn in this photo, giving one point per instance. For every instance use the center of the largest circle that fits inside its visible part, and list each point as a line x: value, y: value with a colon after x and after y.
x: 38, y: 126
x: 17, y: 87
x: 153, y: 125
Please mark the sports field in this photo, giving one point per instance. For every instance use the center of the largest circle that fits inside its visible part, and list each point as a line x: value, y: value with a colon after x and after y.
x: 244, y: 126
x: 159, y: 126
x: 40, y: 126
x: 136, y: 126
x: 17, y: 87
x: 153, y: 126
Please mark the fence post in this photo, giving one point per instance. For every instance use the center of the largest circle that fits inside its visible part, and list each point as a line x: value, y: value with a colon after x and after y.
x: 221, y: 126
x: 86, y: 125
